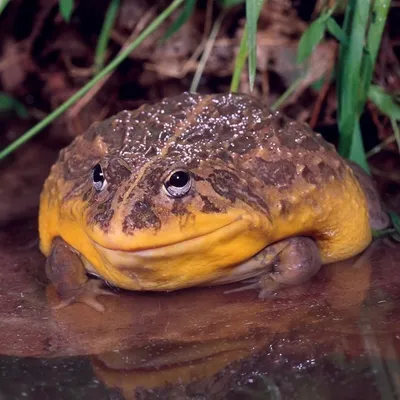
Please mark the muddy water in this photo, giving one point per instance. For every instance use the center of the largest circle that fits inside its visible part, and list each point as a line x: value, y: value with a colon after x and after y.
x: 336, y: 337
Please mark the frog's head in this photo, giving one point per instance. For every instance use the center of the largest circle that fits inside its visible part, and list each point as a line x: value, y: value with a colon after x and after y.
x: 160, y: 192
x: 179, y: 221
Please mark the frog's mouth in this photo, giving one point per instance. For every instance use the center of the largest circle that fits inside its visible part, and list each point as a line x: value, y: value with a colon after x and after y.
x: 189, y: 262
x: 175, y: 248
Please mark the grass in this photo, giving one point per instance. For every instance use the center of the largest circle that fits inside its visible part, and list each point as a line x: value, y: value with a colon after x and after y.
x: 3, y: 5
x: 8, y: 103
x: 101, y: 48
x: 184, y: 16
x: 248, y: 46
x: 359, y: 39
x: 66, y: 9
x: 389, y: 106
x: 253, y: 8
x: 351, y: 57
x: 240, y: 61
x: 364, y: 23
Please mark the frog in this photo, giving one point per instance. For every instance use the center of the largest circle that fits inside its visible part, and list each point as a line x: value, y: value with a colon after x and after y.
x: 200, y: 190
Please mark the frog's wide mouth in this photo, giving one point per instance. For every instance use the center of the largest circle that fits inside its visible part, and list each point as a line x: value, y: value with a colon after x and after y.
x: 189, y: 262
x: 176, y: 248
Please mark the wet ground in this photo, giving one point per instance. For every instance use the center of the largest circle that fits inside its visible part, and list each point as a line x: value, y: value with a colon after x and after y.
x: 336, y: 337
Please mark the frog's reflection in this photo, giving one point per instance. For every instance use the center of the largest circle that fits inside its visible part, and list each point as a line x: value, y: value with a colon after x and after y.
x: 161, y: 365
x: 147, y: 342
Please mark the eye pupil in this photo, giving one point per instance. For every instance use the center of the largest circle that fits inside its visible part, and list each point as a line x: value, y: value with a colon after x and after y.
x: 179, y: 179
x: 98, y: 175
x: 98, y: 178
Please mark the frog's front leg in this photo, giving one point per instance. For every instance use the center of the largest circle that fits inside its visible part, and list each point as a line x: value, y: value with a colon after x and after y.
x: 67, y: 273
x: 288, y: 262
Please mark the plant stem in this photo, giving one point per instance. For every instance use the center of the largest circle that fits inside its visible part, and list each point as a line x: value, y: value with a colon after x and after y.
x: 378, y: 148
x: 111, y: 14
x: 396, y: 131
x: 281, y: 100
x: 240, y: 61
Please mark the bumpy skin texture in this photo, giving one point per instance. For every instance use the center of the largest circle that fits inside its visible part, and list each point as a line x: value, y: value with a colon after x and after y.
x: 257, y: 178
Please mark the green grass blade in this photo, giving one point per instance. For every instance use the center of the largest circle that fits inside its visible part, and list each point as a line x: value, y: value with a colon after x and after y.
x: 344, y: 48
x: 351, y: 61
x: 288, y: 92
x: 230, y: 3
x: 182, y: 18
x: 240, y: 61
x: 81, y: 92
x: 396, y: 131
x: 374, y: 36
x: 349, y: 15
x: 66, y: 8
x: 395, y: 221
x: 253, y: 8
x: 109, y: 20
x: 384, y: 101
x: 336, y: 31
x: 311, y: 37
x: 356, y: 65
x: 387, y: 105
x: 3, y: 4
x: 357, y: 152
x: 380, y: 9
x: 8, y: 103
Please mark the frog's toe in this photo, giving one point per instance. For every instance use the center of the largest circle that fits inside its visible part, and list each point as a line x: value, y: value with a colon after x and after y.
x: 267, y: 286
x: 62, y: 304
x: 96, y: 286
x: 251, y: 284
x: 90, y: 301
x: 86, y: 294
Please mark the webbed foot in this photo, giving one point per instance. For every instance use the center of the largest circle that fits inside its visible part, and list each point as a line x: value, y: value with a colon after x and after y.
x: 86, y: 294
x: 66, y: 271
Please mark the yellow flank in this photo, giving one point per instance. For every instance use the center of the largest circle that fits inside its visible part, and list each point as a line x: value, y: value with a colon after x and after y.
x: 335, y: 215
x: 347, y: 231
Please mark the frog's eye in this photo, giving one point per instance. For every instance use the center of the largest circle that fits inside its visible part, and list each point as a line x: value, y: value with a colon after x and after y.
x: 178, y: 183
x: 98, y: 179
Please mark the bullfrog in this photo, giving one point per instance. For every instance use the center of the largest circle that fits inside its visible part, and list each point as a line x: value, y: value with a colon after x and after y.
x: 200, y: 190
